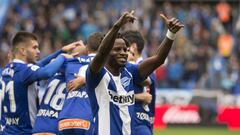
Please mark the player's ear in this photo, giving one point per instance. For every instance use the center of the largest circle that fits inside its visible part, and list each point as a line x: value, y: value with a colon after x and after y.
x: 22, y: 50
x: 133, y: 47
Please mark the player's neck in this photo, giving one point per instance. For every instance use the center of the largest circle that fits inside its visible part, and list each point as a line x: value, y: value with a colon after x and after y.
x: 138, y: 56
x: 113, y: 69
x: 20, y: 57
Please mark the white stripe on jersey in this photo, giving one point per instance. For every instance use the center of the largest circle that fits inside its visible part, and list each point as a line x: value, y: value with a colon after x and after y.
x: 83, y: 70
x: 32, y: 105
x: 124, y: 113
x: 104, y: 106
x: 103, y: 99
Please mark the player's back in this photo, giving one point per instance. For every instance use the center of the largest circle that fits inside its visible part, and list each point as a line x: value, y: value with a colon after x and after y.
x: 76, y: 100
x: 51, y: 105
x: 20, y: 98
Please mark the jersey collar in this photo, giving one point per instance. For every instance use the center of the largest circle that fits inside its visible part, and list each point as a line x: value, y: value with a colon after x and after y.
x: 139, y: 59
x: 92, y: 54
x: 18, y: 61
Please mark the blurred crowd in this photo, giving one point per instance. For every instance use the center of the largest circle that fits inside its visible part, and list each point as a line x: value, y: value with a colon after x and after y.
x: 206, y: 53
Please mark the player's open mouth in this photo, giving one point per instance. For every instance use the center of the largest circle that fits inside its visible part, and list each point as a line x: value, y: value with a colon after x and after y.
x: 122, y: 59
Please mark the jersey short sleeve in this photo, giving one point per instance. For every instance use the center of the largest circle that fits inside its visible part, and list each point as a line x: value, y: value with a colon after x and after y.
x: 30, y: 74
x: 97, y: 77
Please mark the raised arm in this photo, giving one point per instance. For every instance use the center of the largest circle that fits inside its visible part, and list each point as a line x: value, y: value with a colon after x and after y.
x: 108, y: 42
x: 66, y: 49
x: 51, y: 68
x: 34, y: 72
x: 151, y: 63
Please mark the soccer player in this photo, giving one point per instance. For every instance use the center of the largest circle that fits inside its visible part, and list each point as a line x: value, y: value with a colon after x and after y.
x: 47, y: 118
x: 79, y: 121
x: 19, y: 78
x: 110, y: 79
x: 2, y: 119
x: 144, y: 112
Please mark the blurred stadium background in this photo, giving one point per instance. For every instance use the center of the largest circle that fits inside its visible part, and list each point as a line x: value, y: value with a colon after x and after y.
x: 198, y: 87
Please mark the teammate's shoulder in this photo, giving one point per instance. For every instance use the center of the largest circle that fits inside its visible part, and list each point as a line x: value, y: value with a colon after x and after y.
x: 33, y: 67
x: 16, y: 66
x: 7, y: 71
x: 85, y: 58
x: 80, y: 59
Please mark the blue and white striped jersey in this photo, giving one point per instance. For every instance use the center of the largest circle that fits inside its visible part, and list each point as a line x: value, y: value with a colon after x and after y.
x: 145, y: 113
x: 112, y: 100
x: 51, y: 105
x: 152, y: 88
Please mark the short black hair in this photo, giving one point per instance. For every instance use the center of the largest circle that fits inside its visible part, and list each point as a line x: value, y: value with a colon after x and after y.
x: 135, y: 37
x: 95, y: 40
x: 124, y: 38
x: 23, y: 36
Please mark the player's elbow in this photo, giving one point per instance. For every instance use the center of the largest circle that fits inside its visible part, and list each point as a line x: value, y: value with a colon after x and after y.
x: 161, y: 62
x: 48, y: 74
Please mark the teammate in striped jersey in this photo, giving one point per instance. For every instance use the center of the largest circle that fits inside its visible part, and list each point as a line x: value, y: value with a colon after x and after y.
x: 19, y: 83
x: 110, y: 79
x: 144, y: 110
x: 79, y: 121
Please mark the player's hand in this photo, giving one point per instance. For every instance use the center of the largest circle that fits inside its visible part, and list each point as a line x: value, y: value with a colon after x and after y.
x: 148, y: 97
x: 71, y: 46
x: 76, y: 83
x: 173, y: 24
x: 78, y: 49
x: 144, y: 97
x: 67, y: 56
x: 125, y: 18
